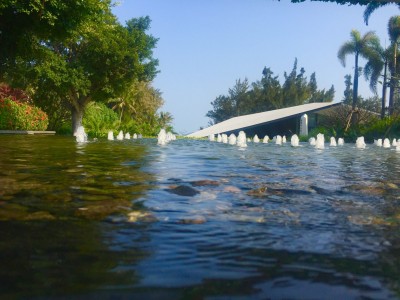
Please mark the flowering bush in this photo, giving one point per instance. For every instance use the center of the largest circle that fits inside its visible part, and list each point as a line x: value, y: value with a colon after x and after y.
x: 15, y: 115
x: 14, y: 94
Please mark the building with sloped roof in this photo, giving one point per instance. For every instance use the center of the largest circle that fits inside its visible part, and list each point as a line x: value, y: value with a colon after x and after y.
x: 284, y: 121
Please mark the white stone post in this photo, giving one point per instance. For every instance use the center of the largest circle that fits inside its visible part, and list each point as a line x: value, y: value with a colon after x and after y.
x: 304, y: 125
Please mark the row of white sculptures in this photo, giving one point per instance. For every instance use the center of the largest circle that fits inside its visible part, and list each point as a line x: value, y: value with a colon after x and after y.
x: 318, y: 143
x: 81, y: 136
x: 121, y: 136
x: 162, y: 139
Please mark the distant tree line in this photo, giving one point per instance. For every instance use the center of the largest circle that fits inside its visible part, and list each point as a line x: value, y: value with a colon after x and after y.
x: 268, y: 94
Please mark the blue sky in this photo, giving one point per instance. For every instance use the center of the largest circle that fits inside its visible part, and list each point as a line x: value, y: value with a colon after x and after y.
x: 204, y: 46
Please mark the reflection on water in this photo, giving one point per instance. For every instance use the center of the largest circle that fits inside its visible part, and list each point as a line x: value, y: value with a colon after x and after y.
x: 196, y: 220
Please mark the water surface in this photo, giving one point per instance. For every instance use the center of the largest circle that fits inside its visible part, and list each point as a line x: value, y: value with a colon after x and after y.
x: 197, y: 220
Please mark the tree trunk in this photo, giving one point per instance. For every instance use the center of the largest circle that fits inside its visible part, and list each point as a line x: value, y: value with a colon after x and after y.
x: 393, y: 82
x: 384, y: 91
x: 355, y: 86
x: 354, y: 119
x: 77, y: 116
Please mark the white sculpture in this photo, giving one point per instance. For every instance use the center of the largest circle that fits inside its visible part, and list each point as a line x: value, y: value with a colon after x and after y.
x: 110, y: 136
x: 278, y: 140
x: 120, y: 136
x: 162, y: 137
x: 360, y: 144
x: 320, y: 142
x: 224, y: 138
x: 241, y: 139
x: 386, y: 143
x: 232, y: 139
x: 294, y: 140
x: 80, y: 135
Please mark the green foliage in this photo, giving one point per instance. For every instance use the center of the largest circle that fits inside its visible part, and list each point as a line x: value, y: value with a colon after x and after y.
x: 92, y: 59
x: 99, y: 119
x: 65, y: 129
x: 15, y: 115
x: 326, y: 131
x: 268, y: 94
x: 388, y: 127
x: 137, y: 109
x: 25, y: 24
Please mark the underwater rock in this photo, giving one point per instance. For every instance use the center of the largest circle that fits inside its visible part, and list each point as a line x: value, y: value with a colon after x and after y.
x: 369, y: 220
x: 39, y: 216
x: 246, y: 218
x: 183, y: 190
x: 232, y: 189
x: 263, y: 191
x: 368, y: 190
x: 193, y: 220
x: 325, y: 192
x: 258, y: 192
x: 205, y: 182
x: 141, y: 216
x: 101, y: 209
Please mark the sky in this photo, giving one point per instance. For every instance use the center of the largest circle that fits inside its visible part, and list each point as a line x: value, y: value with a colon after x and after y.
x: 206, y: 45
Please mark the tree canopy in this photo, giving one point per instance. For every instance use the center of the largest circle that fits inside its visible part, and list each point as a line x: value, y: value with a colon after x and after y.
x: 71, y: 54
x: 365, y: 46
x: 23, y: 24
x: 268, y: 94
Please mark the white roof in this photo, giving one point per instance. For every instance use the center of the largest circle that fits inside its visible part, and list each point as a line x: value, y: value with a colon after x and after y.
x: 260, y: 118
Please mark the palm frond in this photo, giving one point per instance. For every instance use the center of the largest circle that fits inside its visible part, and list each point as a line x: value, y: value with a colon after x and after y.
x: 372, y: 72
x: 355, y: 36
x: 371, y: 7
x: 344, y: 50
x: 394, y: 28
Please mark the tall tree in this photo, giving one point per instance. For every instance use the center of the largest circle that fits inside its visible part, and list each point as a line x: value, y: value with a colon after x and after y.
x: 223, y: 109
x: 348, y: 91
x: 238, y: 95
x: 376, y: 68
x: 165, y: 120
x: 394, y: 34
x: 266, y: 93
x: 358, y: 45
x: 98, y: 62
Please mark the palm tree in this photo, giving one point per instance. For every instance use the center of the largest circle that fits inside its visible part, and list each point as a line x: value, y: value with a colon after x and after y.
x: 364, y: 46
x: 373, y: 71
x: 394, y: 34
x: 165, y: 119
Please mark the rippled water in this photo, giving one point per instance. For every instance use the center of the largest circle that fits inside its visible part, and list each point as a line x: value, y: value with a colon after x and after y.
x: 197, y: 220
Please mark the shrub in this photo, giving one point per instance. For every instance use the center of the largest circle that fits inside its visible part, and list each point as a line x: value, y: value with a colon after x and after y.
x: 386, y: 128
x: 99, y: 119
x: 327, y: 132
x: 15, y: 115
